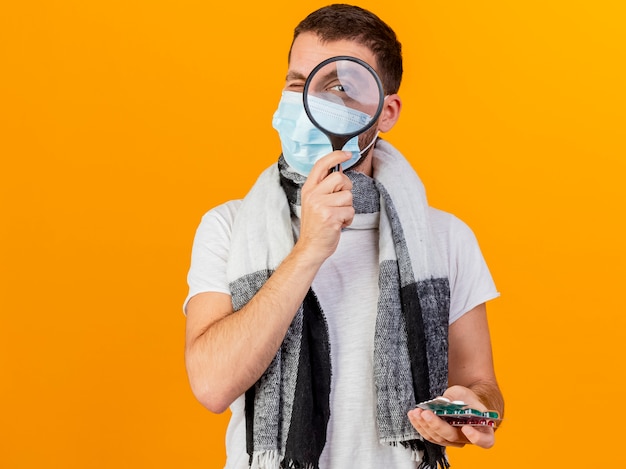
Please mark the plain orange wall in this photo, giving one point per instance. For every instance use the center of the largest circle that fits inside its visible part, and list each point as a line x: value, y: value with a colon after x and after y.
x: 122, y: 122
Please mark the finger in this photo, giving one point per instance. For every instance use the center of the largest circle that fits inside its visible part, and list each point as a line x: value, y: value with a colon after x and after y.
x: 341, y: 209
x: 334, y: 183
x: 434, y: 429
x: 347, y: 217
x: 483, y: 437
x: 441, y: 432
x: 322, y: 167
x: 341, y: 198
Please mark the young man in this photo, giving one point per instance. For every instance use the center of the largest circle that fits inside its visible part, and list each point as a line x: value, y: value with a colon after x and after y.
x: 324, y: 306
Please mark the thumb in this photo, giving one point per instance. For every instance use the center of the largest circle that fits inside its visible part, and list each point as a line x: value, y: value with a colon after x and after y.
x: 484, y: 438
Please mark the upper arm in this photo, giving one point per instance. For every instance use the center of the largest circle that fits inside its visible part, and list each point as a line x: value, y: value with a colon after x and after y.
x: 471, y: 282
x: 470, y: 356
x: 209, y: 256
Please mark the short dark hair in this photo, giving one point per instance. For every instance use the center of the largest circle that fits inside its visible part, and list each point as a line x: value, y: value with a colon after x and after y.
x: 340, y: 21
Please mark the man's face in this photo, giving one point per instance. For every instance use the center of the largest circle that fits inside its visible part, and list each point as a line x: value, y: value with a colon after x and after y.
x: 308, y: 51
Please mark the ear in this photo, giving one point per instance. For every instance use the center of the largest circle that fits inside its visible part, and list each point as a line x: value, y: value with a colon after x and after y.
x: 390, y: 113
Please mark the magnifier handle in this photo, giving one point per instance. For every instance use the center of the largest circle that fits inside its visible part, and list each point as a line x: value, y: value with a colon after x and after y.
x: 337, y: 142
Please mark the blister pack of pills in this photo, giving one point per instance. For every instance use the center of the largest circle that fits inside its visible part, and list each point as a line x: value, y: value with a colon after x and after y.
x: 458, y: 413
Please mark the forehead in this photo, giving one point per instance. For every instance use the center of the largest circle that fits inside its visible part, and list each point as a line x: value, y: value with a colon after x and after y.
x: 307, y: 51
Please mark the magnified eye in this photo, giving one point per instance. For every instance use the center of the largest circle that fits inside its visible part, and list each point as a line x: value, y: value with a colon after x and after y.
x: 340, y: 87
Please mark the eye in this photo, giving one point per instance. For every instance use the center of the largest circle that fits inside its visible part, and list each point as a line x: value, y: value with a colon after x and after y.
x: 341, y: 87
x: 294, y: 86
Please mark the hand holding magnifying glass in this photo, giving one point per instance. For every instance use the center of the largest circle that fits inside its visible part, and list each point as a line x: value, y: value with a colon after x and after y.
x: 343, y: 97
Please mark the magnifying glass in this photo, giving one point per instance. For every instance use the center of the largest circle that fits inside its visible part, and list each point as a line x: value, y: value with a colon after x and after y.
x: 343, y: 97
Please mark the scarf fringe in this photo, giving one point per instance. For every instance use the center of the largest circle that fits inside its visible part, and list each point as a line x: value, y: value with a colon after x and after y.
x: 271, y: 459
x: 421, y: 454
x: 268, y: 459
x: 297, y: 465
x: 442, y: 464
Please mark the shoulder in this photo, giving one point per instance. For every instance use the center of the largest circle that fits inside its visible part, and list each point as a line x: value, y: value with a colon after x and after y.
x: 455, y: 239
x: 450, y: 227
x: 224, y: 213
x: 218, y: 221
x: 209, y: 254
x: 214, y: 232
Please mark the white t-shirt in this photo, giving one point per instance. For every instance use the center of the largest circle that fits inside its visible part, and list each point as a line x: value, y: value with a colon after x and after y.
x: 347, y: 288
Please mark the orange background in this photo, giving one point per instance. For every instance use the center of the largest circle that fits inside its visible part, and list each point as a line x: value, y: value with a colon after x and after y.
x: 122, y: 122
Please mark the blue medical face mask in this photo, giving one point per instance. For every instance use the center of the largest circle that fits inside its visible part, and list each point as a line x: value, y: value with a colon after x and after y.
x: 302, y: 143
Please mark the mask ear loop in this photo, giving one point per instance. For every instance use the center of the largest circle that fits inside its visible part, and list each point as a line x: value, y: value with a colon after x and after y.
x: 375, y: 136
x: 370, y: 144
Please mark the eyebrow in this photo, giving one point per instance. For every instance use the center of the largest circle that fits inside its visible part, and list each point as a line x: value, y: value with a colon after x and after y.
x: 331, y: 75
x: 293, y: 75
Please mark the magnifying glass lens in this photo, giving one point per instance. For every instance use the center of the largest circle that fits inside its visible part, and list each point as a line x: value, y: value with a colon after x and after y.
x: 343, y: 97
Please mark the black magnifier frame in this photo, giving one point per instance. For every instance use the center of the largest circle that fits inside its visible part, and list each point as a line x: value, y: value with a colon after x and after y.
x: 338, y: 140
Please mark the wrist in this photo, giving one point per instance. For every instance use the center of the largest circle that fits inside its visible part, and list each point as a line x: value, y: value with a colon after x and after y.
x: 307, y: 255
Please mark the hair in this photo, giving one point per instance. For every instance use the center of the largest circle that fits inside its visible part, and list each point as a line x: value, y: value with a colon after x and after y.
x: 348, y: 22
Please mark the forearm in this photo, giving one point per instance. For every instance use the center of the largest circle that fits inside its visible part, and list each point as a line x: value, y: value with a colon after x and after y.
x: 228, y: 352
x: 228, y: 357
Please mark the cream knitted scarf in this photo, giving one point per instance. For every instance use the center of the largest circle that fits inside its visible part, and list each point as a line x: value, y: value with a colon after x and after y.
x: 287, y: 410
